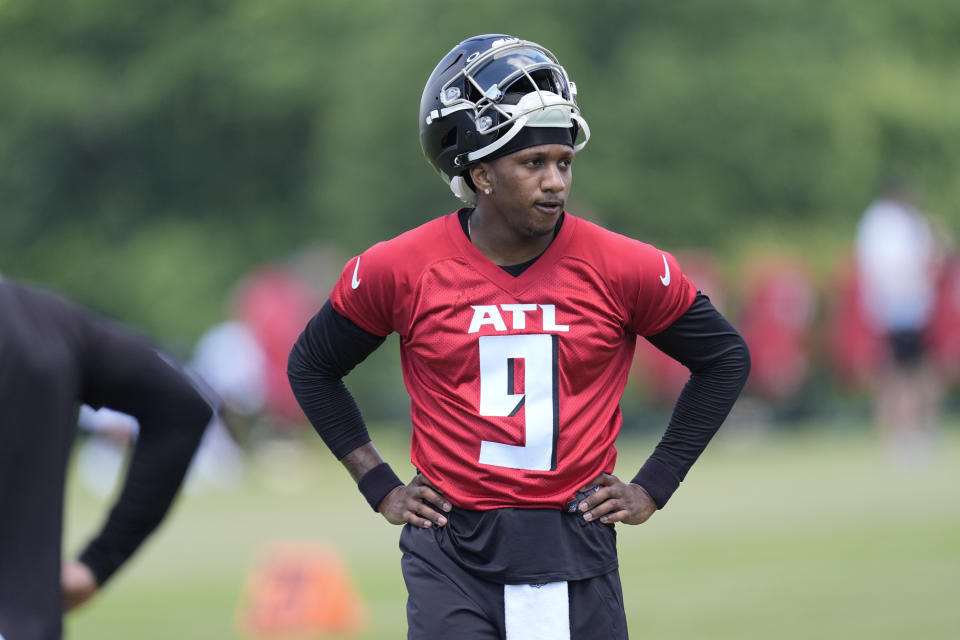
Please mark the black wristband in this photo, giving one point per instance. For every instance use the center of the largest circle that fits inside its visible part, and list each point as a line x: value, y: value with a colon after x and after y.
x: 377, y: 483
x: 658, y: 480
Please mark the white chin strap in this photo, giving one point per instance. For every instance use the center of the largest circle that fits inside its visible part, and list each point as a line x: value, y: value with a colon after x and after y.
x: 536, y: 109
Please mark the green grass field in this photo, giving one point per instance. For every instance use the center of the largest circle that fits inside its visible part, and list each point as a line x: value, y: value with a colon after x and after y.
x: 811, y: 533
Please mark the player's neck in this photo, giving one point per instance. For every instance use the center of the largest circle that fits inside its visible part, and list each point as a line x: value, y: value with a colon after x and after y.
x: 505, y: 244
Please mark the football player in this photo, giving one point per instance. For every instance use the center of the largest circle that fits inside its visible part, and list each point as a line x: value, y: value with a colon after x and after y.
x: 517, y: 324
x: 57, y: 356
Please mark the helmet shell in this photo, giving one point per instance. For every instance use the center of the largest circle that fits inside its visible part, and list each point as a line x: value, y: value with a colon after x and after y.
x: 471, y: 104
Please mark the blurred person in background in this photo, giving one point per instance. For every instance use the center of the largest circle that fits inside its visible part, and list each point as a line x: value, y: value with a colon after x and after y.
x: 228, y: 358
x: 273, y: 303
x: 517, y: 324
x: 57, y: 356
x: 897, y: 265
x: 776, y: 319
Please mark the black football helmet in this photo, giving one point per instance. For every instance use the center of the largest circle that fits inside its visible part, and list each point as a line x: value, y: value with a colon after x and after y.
x: 482, y: 94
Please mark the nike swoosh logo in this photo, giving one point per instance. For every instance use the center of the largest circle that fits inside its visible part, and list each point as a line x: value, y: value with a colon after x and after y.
x: 355, y: 282
x: 665, y: 278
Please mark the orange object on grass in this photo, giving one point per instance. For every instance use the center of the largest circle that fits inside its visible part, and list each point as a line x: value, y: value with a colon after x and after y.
x: 300, y: 589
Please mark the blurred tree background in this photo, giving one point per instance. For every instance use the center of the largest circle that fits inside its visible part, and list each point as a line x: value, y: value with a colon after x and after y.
x: 153, y: 152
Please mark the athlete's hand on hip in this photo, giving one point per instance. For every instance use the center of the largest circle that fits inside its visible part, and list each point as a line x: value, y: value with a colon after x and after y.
x: 418, y: 503
x: 616, y: 501
x: 77, y: 584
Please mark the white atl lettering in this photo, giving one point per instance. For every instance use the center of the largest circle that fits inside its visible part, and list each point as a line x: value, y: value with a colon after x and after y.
x: 489, y: 314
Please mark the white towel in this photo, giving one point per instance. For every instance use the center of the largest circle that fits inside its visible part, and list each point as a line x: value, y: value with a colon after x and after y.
x: 540, y: 612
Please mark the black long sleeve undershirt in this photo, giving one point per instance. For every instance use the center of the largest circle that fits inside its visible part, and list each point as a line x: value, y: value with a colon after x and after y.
x: 702, y: 339
x: 719, y: 362
x: 327, y: 350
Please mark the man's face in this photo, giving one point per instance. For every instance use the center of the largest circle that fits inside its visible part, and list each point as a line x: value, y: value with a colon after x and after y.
x: 530, y: 187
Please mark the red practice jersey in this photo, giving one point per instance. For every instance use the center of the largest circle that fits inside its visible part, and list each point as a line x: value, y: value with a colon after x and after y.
x: 515, y: 382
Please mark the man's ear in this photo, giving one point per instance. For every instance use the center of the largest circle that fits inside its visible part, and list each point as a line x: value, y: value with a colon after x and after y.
x: 480, y: 174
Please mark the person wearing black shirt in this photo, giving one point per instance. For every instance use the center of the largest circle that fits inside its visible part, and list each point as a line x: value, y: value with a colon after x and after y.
x: 55, y: 357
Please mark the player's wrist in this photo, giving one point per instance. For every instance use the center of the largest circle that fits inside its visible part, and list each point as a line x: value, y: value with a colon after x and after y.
x: 376, y: 483
x: 657, y: 480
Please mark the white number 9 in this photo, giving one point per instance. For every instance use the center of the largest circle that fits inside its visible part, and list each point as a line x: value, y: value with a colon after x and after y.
x: 539, y: 398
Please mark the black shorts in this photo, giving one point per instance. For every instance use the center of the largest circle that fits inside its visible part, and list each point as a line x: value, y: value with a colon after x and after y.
x: 446, y: 601
x: 907, y: 347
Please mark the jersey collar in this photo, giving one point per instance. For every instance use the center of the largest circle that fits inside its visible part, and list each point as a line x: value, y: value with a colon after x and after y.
x: 495, y: 273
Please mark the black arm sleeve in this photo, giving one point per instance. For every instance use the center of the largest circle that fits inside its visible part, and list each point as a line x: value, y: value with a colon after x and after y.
x: 327, y: 350
x: 719, y: 362
x: 125, y: 372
